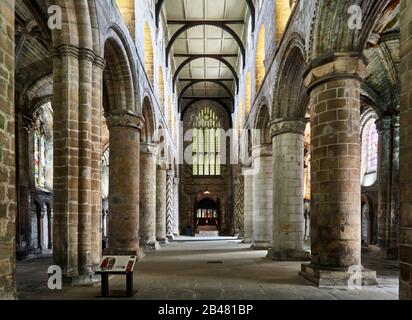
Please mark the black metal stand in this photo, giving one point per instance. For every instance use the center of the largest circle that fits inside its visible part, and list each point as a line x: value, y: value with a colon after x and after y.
x: 105, y: 283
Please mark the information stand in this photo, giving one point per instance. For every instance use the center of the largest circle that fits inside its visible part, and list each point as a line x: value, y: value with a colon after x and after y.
x: 117, y: 265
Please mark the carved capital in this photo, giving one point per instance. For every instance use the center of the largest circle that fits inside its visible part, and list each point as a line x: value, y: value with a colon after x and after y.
x: 150, y: 148
x: 262, y: 151
x: 125, y: 120
x: 161, y: 165
x: 343, y: 66
x: 87, y: 54
x: 282, y: 126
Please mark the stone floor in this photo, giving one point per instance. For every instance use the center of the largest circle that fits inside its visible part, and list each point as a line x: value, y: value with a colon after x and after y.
x: 225, y: 269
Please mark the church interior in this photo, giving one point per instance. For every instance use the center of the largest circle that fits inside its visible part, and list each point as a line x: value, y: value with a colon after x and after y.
x: 238, y: 149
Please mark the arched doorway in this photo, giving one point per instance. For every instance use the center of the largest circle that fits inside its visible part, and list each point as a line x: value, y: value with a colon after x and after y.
x: 207, y: 217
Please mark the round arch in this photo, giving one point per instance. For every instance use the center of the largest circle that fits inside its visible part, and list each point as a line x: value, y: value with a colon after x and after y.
x: 149, y: 129
x: 290, y: 96
x: 217, y: 82
x: 219, y: 25
x: 220, y: 59
x: 119, y: 75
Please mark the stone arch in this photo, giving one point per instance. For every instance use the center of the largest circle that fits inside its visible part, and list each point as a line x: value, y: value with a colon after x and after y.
x: 261, y: 123
x: 79, y: 24
x: 119, y: 76
x: 340, y: 38
x: 290, y: 96
x: 149, y: 129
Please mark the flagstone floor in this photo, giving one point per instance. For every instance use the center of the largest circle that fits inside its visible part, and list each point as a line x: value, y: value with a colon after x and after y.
x: 215, y: 270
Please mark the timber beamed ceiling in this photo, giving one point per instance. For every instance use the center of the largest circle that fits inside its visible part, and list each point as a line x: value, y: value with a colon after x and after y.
x: 206, y: 44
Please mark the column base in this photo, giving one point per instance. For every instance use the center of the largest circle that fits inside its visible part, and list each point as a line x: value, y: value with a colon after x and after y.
x: 336, y: 278
x: 151, y: 245
x: 170, y: 237
x: 261, y: 245
x: 288, y: 255
x: 162, y: 240
x: 89, y: 280
x: 247, y: 240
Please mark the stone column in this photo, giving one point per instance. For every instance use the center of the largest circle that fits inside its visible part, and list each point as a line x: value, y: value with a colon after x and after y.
x: 7, y: 150
x: 334, y: 89
x: 124, y: 183
x: 288, y: 191
x: 405, y: 245
x: 96, y: 154
x: 238, y: 203
x: 169, y: 204
x: 66, y: 161
x: 86, y: 59
x: 147, y: 229
x: 23, y: 191
x: 161, y: 203
x: 248, y: 205
x: 384, y: 127
x: 262, y: 197
x: 176, y: 211
x: 393, y: 244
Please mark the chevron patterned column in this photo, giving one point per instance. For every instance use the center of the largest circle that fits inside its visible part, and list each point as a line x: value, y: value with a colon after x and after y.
x: 169, y: 204
x: 176, y: 206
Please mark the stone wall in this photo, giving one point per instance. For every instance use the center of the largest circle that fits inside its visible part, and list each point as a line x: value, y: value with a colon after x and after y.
x: 405, y: 248
x: 7, y: 153
x: 192, y: 186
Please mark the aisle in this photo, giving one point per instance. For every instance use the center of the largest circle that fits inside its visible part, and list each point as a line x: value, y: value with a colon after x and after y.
x: 219, y: 269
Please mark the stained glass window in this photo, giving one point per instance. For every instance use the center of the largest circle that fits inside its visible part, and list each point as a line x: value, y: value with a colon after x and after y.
x: 206, y: 144
x: 40, y: 147
x: 372, y: 160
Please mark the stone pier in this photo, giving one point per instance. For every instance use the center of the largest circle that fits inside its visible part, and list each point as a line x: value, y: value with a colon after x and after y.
x: 288, y: 191
x: 161, y: 203
x: 248, y: 205
x: 147, y: 230
x: 7, y: 150
x: 335, y: 179
x: 124, y: 182
x: 262, y: 198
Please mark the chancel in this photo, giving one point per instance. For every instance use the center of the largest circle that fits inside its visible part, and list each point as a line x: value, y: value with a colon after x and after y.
x: 239, y: 149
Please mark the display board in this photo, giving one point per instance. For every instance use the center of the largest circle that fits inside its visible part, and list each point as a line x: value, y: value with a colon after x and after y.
x: 117, y: 264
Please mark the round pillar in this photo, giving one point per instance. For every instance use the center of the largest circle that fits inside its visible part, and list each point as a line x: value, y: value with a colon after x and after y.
x: 262, y: 197
x: 124, y: 183
x: 335, y: 178
x: 288, y: 191
x: 161, y: 203
x: 147, y: 230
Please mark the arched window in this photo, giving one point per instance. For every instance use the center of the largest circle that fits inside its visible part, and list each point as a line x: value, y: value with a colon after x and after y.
x: 206, y: 144
x: 43, y: 147
x: 369, y: 161
x: 169, y: 113
x: 148, y: 52
x: 240, y: 115
x: 127, y: 9
x: 248, y: 93
x: 161, y: 90
x: 260, y: 59
x: 283, y: 11
x: 372, y: 148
